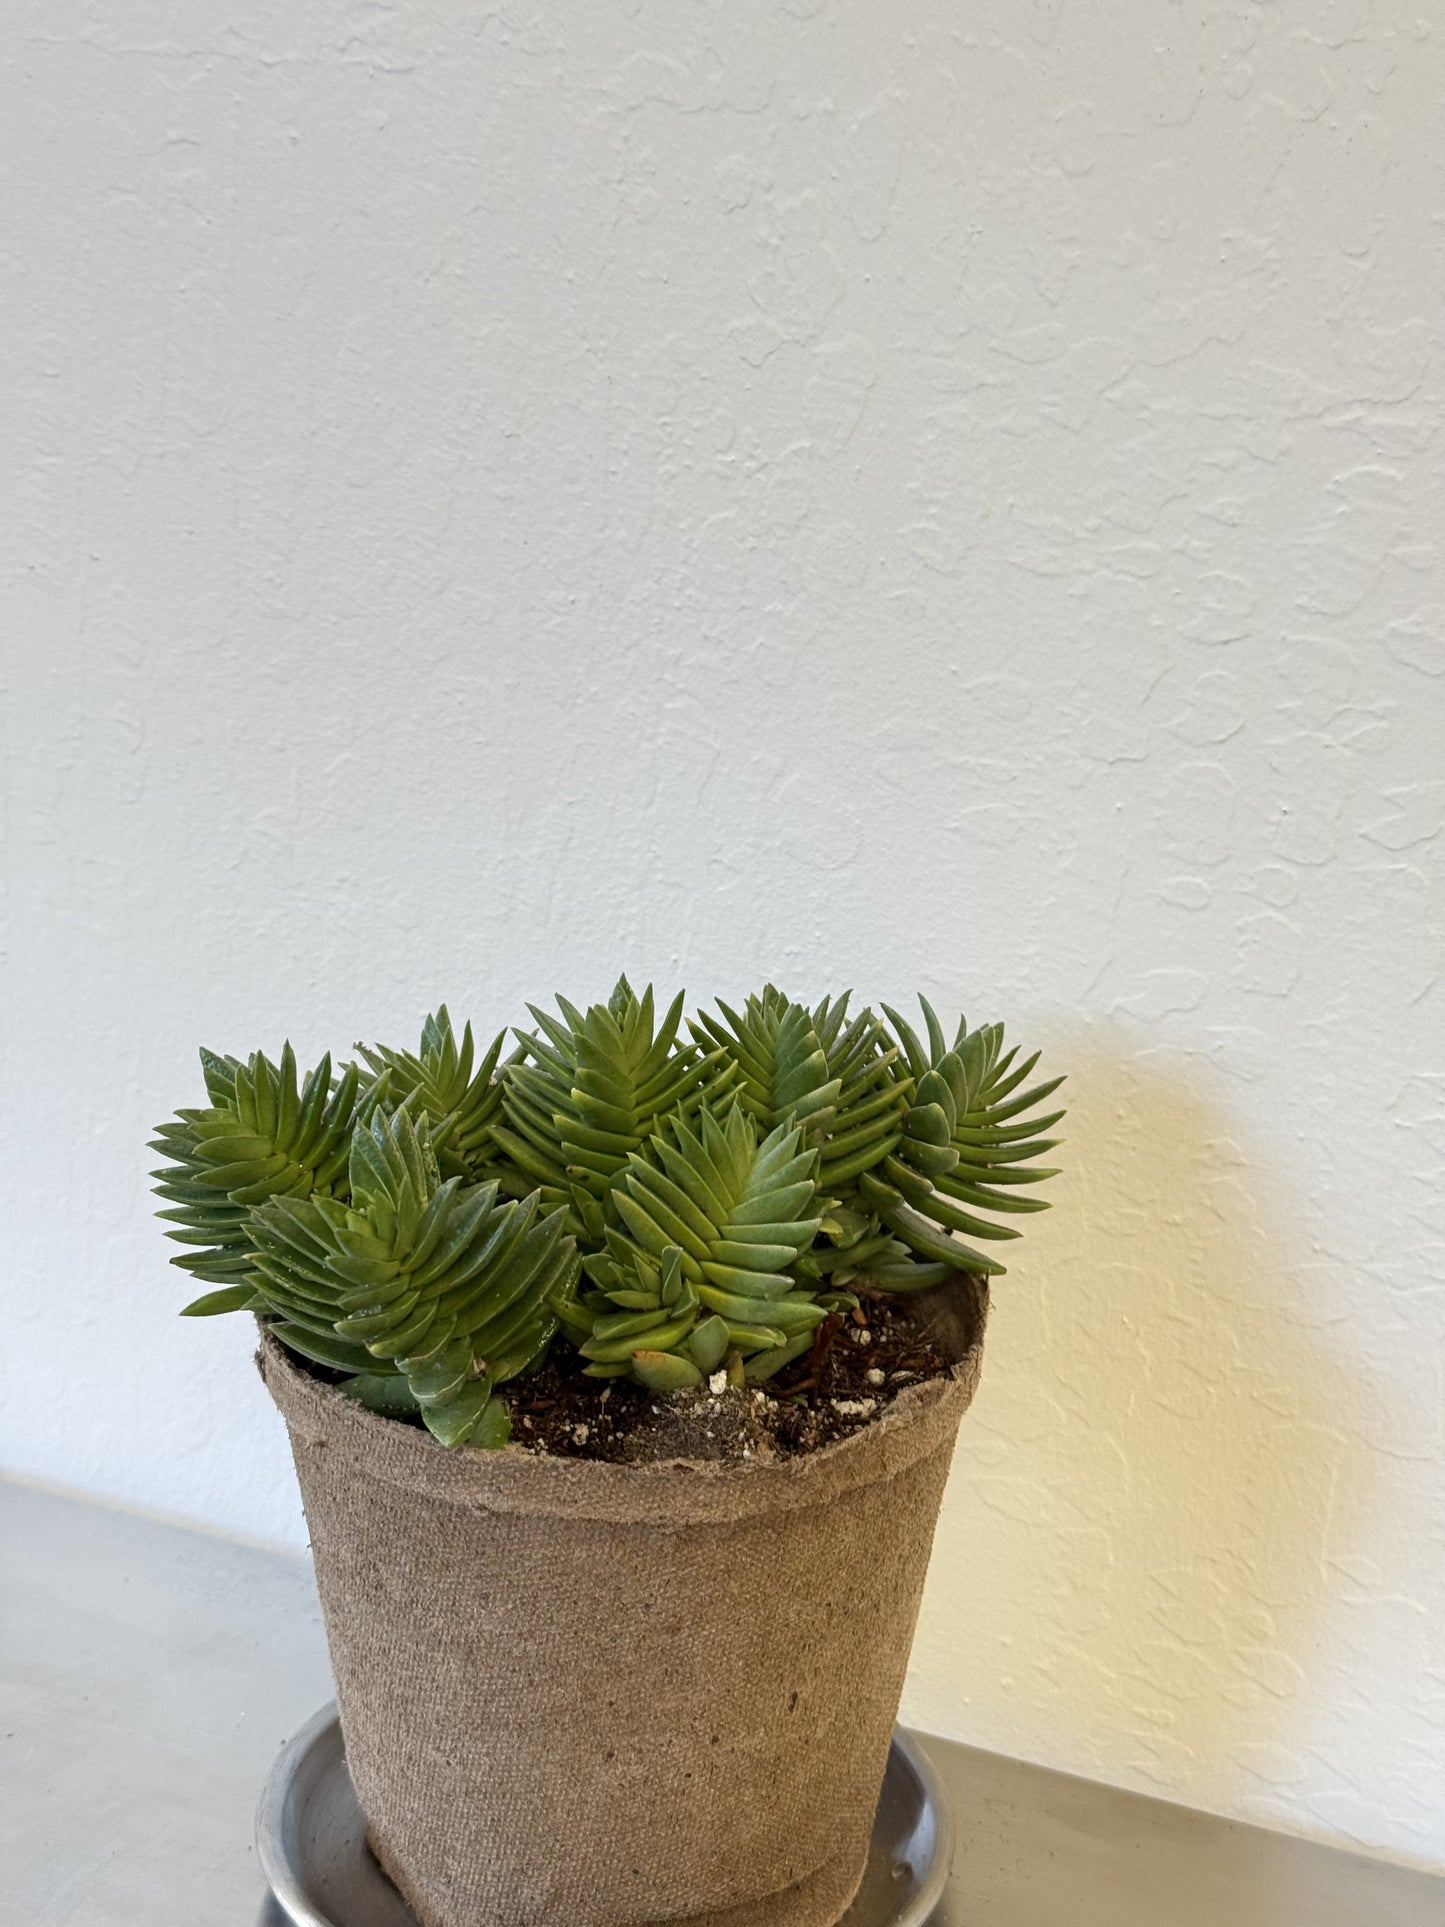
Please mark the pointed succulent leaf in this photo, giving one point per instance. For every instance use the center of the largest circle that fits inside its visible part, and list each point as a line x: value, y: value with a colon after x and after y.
x: 444, y: 1283
x: 782, y: 1069
x: 767, y: 1364
x: 262, y: 1136
x: 874, y: 1093
x: 595, y: 1091
x: 386, y: 1394
x: 664, y: 1371
x: 461, y: 1098
x: 229, y: 1298
x: 941, y: 1181
x: 708, y: 1342
x: 709, y: 1226
x: 677, y: 1208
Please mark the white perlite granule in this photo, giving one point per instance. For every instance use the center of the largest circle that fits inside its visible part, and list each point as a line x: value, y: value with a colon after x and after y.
x: 855, y: 1407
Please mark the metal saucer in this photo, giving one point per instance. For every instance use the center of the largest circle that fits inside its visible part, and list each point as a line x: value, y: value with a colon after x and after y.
x: 312, y: 1844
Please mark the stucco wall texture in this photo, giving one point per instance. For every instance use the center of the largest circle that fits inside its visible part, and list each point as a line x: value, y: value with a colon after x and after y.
x: 878, y: 495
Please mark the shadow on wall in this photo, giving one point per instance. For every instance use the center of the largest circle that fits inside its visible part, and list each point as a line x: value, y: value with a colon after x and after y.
x: 1136, y: 1546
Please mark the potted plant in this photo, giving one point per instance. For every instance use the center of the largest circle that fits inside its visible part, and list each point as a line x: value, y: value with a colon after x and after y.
x: 622, y: 1375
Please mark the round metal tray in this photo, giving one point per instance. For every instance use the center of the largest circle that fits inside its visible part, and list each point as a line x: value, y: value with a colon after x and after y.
x: 312, y: 1842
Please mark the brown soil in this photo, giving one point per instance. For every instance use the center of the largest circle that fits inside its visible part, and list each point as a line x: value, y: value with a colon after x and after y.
x: 858, y: 1365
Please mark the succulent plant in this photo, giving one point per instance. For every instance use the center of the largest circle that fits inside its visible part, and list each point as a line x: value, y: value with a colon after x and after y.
x: 712, y: 1220
x: 438, y: 1079
x: 675, y: 1208
x: 431, y: 1292
x: 964, y: 1140
x: 599, y: 1083
x: 260, y: 1137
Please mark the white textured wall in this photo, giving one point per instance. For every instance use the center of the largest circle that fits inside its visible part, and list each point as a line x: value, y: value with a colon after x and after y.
x: 868, y: 494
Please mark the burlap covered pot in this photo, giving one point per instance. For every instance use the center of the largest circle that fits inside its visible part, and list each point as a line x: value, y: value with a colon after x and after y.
x: 585, y: 1695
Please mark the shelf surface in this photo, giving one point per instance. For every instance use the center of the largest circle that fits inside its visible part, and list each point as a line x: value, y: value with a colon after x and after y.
x: 149, y: 1674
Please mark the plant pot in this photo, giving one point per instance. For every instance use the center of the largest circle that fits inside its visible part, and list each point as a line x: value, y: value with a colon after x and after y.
x: 577, y: 1694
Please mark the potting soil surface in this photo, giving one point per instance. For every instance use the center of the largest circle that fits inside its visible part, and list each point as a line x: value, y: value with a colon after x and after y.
x: 859, y: 1362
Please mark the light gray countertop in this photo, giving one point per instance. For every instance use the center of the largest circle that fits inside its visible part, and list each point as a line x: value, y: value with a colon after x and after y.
x: 148, y: 1675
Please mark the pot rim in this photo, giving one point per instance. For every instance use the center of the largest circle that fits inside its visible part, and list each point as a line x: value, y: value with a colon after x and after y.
x: 670, y: 1491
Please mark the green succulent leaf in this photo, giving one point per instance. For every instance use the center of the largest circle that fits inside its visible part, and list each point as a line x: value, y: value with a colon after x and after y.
x: 596, y: 1087
x: 722, y: 1195
x: 765, y: 1365
x: 385, y: 1393
x: 261, y: 1137
x: 441, y: 1282
x: 474, y: 1417
x: 782, y: 1070
x: 921, y: 1234
x: 964, y: 1148
x: 709, y: 1343
x: 229, y: 1298
x: 664, y: 1371
x: 677, y: 1207
x: 874, y: 1092
x: 461, y: 1099
x: 711, y: 1217
x: 322, y: 1348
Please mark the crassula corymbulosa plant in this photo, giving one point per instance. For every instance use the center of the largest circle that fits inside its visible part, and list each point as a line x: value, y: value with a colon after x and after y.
x: 427, y: 1224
